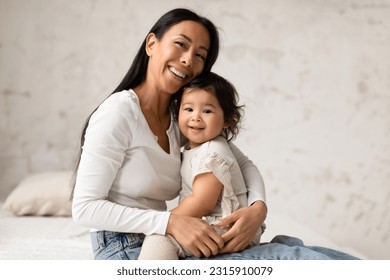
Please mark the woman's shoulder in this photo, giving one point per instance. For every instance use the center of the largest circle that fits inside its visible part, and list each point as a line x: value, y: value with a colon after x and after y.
x: 120, y: 99
x: 118, y: 112
x: 123, y: 103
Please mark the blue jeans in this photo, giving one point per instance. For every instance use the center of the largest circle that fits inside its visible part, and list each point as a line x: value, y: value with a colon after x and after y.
x: 109, y: 245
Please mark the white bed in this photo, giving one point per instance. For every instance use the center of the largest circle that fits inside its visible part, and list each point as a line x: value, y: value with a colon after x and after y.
x: 42, y: 238
x: 36, y: 224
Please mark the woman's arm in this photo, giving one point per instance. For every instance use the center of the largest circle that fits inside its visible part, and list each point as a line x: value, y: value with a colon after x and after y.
x: 252, y: 177
x: 246, y: 221
x: 108, y: 136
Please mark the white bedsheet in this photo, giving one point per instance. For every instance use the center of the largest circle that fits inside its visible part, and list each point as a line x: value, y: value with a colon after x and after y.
x: 42, y: 238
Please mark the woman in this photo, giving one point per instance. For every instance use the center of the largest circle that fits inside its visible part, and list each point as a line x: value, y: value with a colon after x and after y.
x: 130, y: 160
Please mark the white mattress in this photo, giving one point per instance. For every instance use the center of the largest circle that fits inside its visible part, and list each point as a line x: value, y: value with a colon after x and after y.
x: 42, y: 238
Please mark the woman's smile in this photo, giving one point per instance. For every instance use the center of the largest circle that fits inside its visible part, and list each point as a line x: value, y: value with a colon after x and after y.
x: 178, y: 73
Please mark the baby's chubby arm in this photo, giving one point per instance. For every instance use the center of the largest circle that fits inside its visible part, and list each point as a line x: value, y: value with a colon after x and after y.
x: 206, y: 189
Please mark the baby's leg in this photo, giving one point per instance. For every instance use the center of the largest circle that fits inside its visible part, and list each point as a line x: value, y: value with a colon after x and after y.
x: 159, y: 247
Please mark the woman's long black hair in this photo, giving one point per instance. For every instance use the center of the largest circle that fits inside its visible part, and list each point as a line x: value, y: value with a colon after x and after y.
x: 137, y: 72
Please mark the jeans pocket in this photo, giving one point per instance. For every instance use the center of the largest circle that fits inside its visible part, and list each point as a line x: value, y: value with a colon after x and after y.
x: 107, y: 245
x: 113, y: 251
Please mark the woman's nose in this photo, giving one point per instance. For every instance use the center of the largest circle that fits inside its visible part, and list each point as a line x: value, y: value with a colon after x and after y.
x: 186, y: 59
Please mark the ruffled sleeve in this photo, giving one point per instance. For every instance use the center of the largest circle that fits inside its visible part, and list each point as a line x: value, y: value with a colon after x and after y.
x: 213, y: 162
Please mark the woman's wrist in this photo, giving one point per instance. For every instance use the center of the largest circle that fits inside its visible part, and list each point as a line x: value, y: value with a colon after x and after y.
x: 260, y: 207
x: 170, y: 224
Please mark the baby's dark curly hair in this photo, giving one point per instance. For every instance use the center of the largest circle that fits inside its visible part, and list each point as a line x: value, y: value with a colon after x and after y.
x: 227, y: 97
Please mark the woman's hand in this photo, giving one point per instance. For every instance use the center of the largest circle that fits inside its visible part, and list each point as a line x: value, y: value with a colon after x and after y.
x: 244, y: 224
x: 195, y: 235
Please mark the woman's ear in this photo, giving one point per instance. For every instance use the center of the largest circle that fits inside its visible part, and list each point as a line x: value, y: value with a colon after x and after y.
x: 151, y: 40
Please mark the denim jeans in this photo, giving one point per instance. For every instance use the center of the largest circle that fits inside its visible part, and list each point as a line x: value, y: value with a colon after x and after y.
x: 108, y: 245
x: 123, y: 246
x: 284, y: 247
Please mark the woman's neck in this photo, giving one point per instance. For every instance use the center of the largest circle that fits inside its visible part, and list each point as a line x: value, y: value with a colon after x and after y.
x: 155, y: 108
x: 153, y: 101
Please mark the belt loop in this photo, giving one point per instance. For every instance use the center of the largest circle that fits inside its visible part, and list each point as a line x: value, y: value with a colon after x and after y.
x: 100, y: 238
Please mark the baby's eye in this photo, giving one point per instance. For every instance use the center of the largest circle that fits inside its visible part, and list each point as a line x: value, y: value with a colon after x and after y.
x: 188, y: 109
x: 207, y: 111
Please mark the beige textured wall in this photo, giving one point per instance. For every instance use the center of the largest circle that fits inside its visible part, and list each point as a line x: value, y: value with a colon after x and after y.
x: 314, y: 75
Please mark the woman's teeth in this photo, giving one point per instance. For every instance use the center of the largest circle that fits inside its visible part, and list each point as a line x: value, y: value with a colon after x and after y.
x: 178, y: 73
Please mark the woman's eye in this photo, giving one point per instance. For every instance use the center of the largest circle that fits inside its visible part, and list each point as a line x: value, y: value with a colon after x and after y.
x: 181, y: 44
x: 201, y: 57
